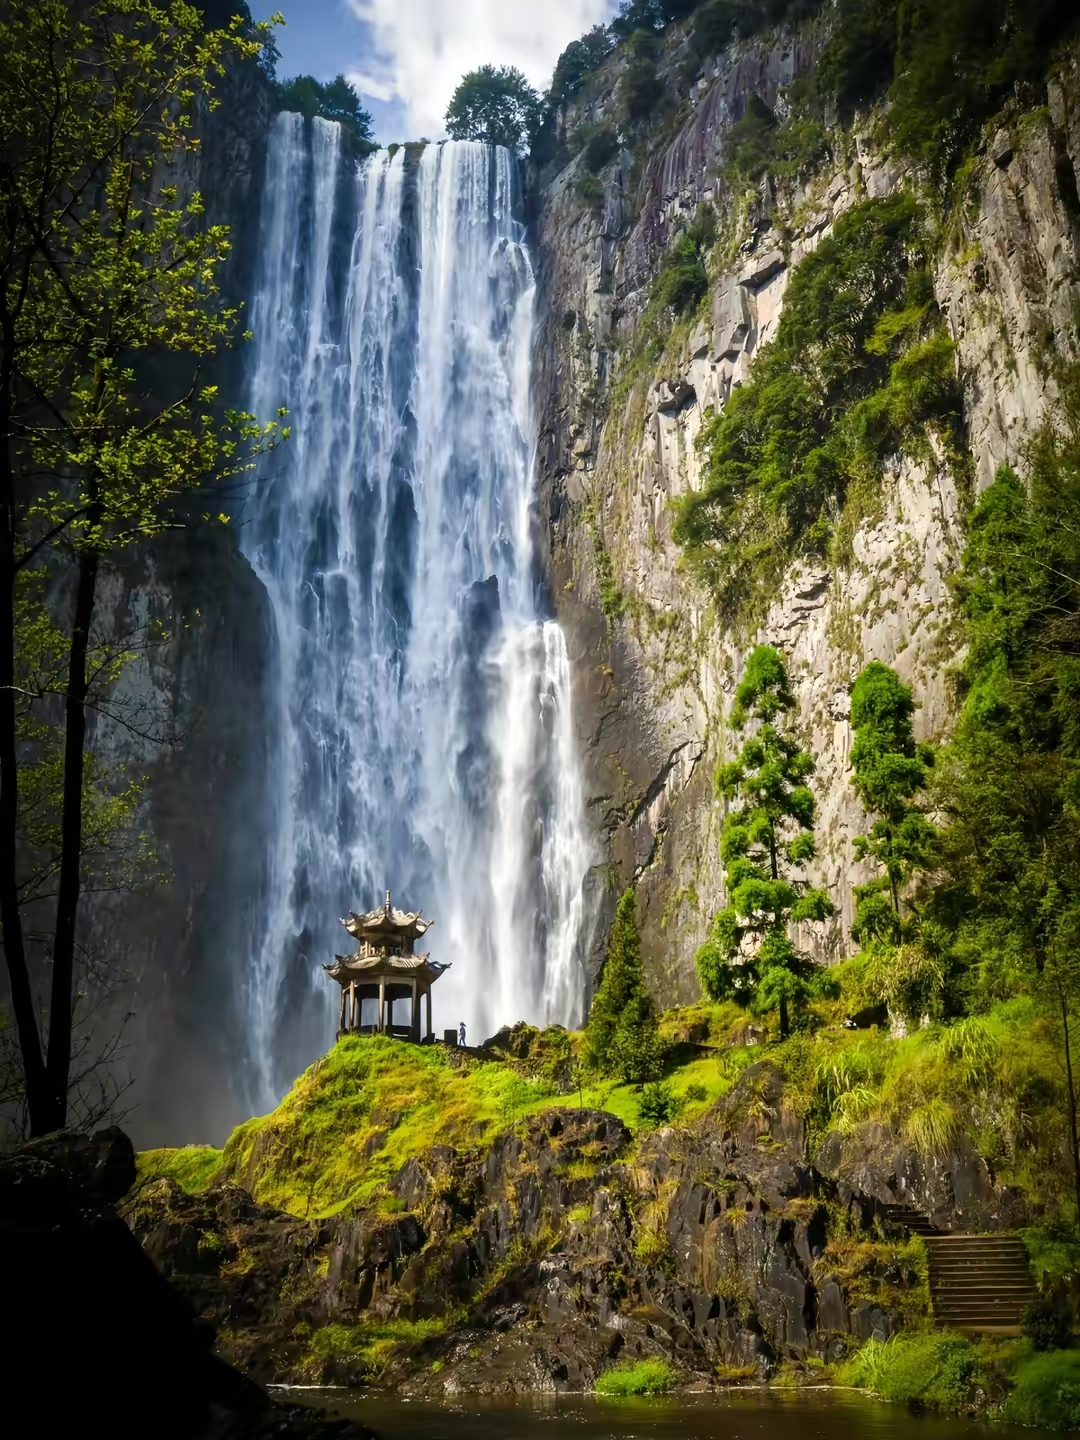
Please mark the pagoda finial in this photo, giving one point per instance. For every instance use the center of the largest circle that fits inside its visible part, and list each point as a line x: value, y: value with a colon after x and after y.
x: 388, y: 906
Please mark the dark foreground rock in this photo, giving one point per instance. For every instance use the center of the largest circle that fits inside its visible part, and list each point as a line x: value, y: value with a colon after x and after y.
x: 95, y: 1339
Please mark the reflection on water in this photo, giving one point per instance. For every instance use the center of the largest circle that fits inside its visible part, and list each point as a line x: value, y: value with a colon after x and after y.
x: 745, y: 1415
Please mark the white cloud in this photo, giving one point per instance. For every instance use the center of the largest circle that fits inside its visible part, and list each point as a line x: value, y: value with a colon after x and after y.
x: 425, y: 46
x: 370, y: 85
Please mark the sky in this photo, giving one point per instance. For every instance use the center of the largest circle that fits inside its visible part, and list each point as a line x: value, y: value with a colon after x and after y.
x: 405, y: 57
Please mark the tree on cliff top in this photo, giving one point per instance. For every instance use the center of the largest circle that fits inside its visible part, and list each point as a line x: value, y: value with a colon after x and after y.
x: 336, y: 100
x: 621, y: 1037
x: 495, y: 105
x: 766, y: 842
x: 104, y: 271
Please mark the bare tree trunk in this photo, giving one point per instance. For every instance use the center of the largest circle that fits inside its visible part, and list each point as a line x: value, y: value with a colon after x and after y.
x: 1074, y: 1143
x: 22, y: 995
x: 67, y: 901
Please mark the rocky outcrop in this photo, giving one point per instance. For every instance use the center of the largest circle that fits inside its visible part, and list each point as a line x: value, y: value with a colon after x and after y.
x: 654, y: 671
x: 532, y: 1264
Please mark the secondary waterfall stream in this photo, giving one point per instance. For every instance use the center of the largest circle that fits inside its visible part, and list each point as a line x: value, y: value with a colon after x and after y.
x: 421, y: 731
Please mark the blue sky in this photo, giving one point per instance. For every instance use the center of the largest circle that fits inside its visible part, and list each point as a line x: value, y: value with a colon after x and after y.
x: 406, y: 56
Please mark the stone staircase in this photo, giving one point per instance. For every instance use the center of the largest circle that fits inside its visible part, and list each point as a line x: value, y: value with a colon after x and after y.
x: 978, y: 1283
x: 905, y: 1218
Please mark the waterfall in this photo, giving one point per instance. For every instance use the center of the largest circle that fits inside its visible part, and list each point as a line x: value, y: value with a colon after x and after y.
x: 421, y: 731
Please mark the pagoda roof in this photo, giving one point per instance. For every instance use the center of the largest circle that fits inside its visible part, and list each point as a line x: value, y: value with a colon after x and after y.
x: 386, y: 917
x: 347, y: 968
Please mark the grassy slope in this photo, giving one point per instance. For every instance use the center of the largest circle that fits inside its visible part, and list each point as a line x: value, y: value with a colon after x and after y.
x: 365, y: 1108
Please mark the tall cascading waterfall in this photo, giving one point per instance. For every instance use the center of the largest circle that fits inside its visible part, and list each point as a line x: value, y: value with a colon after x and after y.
x: 422, y: 726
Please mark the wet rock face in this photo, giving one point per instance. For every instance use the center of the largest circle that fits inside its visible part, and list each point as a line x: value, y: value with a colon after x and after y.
x: 654, y: 684
x: 533, y: 1265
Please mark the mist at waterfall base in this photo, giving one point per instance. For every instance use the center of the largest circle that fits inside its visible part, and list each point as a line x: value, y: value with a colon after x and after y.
x: 420, y: 733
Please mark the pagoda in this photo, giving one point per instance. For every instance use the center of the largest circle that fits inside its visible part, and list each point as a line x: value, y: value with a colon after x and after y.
x: 385, y: 968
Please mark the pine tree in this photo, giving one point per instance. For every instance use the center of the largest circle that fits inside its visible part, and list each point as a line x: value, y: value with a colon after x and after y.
x: 766, y: 842
x: 889, y: 770
x: 621, y: 1038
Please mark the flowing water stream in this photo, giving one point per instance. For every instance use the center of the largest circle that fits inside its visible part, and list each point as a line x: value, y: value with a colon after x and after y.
x: 421, y: 726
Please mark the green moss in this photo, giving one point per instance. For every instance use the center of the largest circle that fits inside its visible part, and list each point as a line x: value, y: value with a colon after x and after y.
x: 360, y: 1112
x: 638, y: 1377
x: 193, y: 1167
x: 366, y: 1349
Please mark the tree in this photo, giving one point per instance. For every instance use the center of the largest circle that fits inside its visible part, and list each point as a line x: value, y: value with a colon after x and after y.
x: 889, y: 770
x: 495, y: 105
x: 621, y: 1037
x: 1010, y: 780
x: 336, y: 100
x: 579, y: 59
x: 104, y: 269
x: 767, y: 840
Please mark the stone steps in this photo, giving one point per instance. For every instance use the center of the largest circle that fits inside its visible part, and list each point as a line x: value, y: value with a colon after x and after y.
x: 979, y: 1283
x: 908, y: 1219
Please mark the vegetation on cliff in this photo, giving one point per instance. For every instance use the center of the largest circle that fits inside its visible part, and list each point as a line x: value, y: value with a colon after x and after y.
x: 860, y: 368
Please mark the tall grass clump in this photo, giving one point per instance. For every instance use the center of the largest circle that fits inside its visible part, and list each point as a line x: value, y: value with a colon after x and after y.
x: 638, y: 1377
x: 929, y: 1371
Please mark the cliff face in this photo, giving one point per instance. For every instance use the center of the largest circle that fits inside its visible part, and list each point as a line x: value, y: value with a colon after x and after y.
x: 655, y: 671
x: 194, y: 710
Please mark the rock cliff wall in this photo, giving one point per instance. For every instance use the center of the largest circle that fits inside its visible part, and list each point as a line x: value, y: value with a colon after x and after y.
x: 194, y: 733
x: 655, y: 671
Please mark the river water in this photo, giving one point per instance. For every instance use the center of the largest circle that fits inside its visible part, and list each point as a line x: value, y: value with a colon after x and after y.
x: 420, y: 729
x: 734, y: 1415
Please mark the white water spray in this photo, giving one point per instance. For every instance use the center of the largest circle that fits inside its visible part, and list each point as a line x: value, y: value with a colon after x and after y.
x: 422, y: 725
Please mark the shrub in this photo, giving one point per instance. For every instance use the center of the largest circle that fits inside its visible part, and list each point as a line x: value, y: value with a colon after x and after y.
x: 933, y: 1370
x: 638, y: 1377
x: 589, y: 188
x: 1047, y: 1391
x: 657, y: 1104
x: 600, y: 147
x: 682, y: 280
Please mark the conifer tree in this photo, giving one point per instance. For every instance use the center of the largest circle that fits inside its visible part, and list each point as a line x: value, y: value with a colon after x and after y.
x: 621, y: 1038
x: 890, y: 769
x: 766, y: 842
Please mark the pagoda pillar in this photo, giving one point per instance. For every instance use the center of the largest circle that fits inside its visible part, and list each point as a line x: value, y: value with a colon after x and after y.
x: 354, y: 1008
x: 414, y: 1013
x: 341, y: 1016
x: 427, y: 996
x: 382, y: 1005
